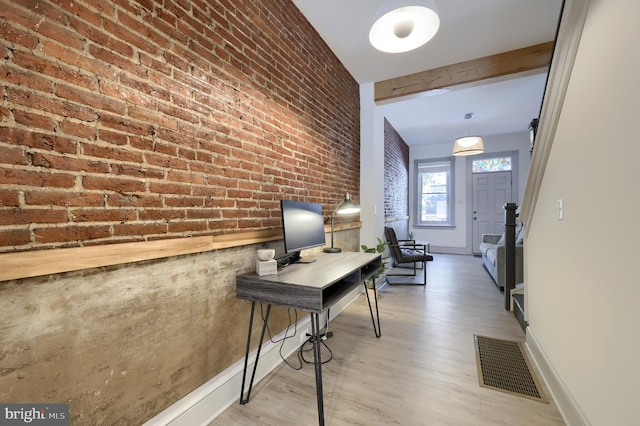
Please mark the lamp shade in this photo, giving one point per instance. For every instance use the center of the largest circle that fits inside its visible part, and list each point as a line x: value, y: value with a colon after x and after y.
x: 401, y: 28
x: 468, y: 145
x: 347, y: 206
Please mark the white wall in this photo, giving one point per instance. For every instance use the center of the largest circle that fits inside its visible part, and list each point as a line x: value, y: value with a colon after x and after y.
x: 458, y: 240
x: 371, y: 167
x: 583, y: 286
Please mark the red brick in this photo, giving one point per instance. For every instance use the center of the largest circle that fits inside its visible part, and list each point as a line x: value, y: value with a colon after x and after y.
x: 14, y: 237
x: 85, y: 14
x: 17, y: 36
x: 187, y: 227
x: 9, y: 198
x: 80, y: 130
x: 63, y: 198
x: 134, y: 200
x: 27, y: 216
x: 72, y: 233
x: 112, y: 184
x: 37, y: 140
x: 52, y: 69
x: 125, y: 125
x: 91, y: 99
x: 150, y: 116
x: 99, y: 37
x: 143, y: 143
x: 169, y: 188
x: 118, y: 91
x: 214, y: 108
x: 166, y: 161
x: 13, y: 156
x: 183, y: 201
x: 124, y: 169
x: 103, y: 215
x: 139, y: 229
x: 111, y: 153
x: 160, y: 214
x: 58, y: 162
x: 25, y: 79
x: 186, y: 177
x: 36, y: 178
x: 203, y: 213
x: 148, y: 36
x: 34, y: 120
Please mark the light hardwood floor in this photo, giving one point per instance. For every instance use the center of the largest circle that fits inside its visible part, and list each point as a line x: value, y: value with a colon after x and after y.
x: 422, y: 371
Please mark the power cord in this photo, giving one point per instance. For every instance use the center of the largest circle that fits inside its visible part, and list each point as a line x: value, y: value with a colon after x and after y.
x: 286, y: 336
x: 304, y: 348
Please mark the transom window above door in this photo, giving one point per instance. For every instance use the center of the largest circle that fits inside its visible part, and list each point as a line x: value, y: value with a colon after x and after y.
x: 498, y: 164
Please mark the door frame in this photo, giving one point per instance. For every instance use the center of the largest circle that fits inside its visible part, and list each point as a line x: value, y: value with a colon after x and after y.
x: 515, y: 185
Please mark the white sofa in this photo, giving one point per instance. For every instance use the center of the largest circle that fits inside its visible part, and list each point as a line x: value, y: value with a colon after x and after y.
x: 493, y: 256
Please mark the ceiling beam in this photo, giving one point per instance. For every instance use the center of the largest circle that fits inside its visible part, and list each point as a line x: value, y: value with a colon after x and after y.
x: 528, y: 60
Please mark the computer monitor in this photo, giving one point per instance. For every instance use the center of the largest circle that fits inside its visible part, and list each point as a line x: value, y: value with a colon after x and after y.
x: 303, y: 227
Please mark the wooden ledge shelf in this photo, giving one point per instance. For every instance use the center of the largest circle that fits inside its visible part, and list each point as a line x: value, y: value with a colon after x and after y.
x: 34, y: 263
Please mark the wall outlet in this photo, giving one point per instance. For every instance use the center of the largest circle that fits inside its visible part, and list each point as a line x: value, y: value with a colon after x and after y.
x: 304, y: 335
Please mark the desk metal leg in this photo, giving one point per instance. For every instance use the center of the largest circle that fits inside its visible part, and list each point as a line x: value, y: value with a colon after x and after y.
x: 376, y: 330
x: 317, y: 361
x: 244, y: 400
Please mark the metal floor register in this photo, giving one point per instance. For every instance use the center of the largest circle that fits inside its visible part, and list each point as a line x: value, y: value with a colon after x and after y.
x: 503, y: 366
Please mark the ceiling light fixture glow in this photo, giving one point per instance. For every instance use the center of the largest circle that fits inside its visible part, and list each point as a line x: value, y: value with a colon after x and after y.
x: 403, y: 29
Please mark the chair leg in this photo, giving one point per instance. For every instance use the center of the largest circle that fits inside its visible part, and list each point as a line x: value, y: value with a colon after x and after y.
x: 415, y: 269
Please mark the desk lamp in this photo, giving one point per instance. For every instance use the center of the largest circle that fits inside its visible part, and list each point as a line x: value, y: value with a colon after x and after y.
x: 347, y: 206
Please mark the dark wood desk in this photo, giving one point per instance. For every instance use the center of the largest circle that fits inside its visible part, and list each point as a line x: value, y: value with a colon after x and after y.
x: 312, y: 287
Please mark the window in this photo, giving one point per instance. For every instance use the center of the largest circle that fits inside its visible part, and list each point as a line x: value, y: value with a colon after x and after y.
x: 434, y: 192
x: 500, y: 164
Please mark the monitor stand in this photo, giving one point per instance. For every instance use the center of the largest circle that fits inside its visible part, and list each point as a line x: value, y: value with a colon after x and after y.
x: 294, y: 257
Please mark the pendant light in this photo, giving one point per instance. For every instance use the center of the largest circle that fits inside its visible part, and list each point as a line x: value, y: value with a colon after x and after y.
x: 468, y: 145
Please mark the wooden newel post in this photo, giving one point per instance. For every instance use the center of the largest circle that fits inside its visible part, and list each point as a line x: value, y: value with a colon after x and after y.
x: 509, y: 252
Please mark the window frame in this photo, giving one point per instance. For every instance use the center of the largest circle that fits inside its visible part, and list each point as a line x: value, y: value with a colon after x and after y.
x: 417, y: 193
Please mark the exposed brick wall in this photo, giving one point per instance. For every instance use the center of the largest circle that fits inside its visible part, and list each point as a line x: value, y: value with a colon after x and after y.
x: 396, y: 173
x: 132, y: 120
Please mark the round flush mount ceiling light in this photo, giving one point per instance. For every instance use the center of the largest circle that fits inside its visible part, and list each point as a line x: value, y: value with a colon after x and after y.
x: 404, y: 29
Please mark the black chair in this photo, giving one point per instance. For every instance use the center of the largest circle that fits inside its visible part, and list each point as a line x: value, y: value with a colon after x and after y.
x: 407, y: 251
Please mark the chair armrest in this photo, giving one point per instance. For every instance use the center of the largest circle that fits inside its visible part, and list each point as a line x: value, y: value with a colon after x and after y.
x: 414, y: 246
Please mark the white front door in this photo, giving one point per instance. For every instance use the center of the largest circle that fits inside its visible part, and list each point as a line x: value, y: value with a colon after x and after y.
x: 491, y: 191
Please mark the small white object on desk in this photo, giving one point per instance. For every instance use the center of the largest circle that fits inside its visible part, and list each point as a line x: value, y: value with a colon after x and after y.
x: 266, y: 264
x: 266, y: 254
x: 266, y: 267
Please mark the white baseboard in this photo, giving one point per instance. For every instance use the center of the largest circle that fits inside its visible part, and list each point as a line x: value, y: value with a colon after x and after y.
x: 567, y: 405
x: 433, y: 249
x: 204, y: 404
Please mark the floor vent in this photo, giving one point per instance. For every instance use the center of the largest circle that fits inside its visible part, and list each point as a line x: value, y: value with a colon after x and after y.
x: 503, y: 366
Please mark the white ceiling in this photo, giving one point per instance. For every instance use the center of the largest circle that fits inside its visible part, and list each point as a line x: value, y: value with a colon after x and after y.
x: 469, y: 29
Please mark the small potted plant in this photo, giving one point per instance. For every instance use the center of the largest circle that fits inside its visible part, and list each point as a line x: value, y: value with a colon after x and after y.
x: 379, y: 248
